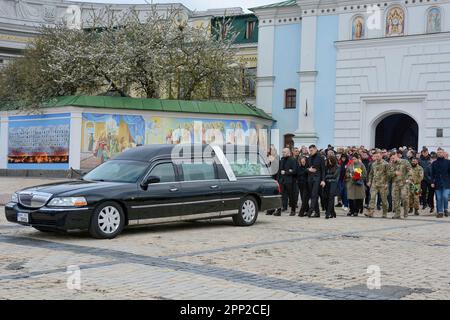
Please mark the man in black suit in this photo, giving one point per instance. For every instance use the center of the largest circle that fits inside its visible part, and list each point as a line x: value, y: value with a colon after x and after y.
x: 286, y: 178
x: 316, y: 179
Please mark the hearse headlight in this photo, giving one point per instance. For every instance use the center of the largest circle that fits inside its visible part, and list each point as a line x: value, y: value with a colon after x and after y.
x: 15, y: 197
x: 68, y: 202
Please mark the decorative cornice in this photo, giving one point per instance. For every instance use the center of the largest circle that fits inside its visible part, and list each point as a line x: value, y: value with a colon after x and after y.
x: 399, y: 40
x: 307, y: 76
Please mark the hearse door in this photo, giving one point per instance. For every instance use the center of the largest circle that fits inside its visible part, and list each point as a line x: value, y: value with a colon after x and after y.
x: 161, y: 199
x: 201, y: 188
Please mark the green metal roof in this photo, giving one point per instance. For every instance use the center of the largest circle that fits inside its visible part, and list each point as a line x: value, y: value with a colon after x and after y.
x: 287, y: 3
x: 203, y: 107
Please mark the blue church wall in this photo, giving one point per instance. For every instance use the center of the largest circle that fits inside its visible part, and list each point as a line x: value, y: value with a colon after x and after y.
x: 327, y: 34
x: 286, y: 67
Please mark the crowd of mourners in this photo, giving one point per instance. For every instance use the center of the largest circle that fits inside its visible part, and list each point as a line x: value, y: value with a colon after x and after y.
x: 362, y: 180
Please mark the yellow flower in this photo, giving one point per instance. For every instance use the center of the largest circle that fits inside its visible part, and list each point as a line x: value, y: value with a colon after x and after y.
x: 359, y: 170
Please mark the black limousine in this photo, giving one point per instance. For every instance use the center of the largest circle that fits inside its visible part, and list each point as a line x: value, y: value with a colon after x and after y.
x: 153, y: 184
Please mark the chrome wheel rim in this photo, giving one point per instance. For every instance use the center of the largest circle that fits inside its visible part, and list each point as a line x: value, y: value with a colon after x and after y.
x: 248, y: 211
x: 109, y: 220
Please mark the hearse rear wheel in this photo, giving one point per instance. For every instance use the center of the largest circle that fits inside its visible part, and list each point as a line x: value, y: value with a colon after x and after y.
x: 108, y: 221
x: 248, y: 212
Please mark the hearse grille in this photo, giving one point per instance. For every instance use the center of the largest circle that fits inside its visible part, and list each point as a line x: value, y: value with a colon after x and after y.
x: 33, y: 200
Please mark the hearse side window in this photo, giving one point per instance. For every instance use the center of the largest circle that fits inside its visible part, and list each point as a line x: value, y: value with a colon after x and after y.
x: 198, y: 171
x: 165, y: 172
x: 247, y: 165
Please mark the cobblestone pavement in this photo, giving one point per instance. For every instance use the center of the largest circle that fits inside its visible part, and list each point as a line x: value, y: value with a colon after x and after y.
x: 278, y: 258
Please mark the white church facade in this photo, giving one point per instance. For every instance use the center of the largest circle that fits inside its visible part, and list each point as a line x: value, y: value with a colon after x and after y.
x: 356, y: 72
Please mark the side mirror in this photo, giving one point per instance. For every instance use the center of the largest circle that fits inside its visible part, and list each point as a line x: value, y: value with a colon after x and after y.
x: 150, y: 180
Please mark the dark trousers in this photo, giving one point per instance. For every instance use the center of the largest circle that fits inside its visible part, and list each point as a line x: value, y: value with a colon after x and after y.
x: 427, y: 196
x: 313, y: 191
x: 287, y: 193
x: 304, y: 196
x: 356, y: 206
x: 329, y: 193
x: 367, y: 195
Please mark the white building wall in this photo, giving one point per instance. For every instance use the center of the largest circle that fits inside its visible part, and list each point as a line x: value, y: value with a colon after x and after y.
x: 406, y: 74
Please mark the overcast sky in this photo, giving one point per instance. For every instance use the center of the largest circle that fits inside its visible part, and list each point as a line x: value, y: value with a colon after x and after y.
x: 198, y: 4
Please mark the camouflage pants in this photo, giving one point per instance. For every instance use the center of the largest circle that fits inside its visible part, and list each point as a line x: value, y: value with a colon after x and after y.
x: 400, y: 194
x: 414, y: 200
x: 382, y: 190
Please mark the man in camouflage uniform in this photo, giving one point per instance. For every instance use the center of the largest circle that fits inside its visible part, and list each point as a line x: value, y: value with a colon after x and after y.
x: 415, y: 186
x: 401, y: 179
x: 378, y: 183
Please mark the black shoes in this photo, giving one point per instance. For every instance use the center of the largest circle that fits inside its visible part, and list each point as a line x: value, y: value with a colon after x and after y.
x: 277, y: 213
x: 410, y: 210
x: 270, y: 212
x: 292, y: 213
x: 416, y: 212
x: 339, y: 205
x: 446, y: 213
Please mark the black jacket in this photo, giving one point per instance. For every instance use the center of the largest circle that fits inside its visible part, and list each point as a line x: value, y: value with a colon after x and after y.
x: 332, y: 174
x: 440, y: 173
x: 317, y: 162
x: 302, y: 174
x: 289, y: 165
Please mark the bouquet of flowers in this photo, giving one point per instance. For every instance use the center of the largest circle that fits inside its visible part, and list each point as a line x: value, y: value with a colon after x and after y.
x: 415, y: 189
x: 357, y: 176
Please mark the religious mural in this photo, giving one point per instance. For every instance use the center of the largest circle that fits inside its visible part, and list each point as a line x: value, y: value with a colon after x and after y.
x: 434, y: 20
x: 104, y: 135
x: 358, y: 28
x: 395, y: 22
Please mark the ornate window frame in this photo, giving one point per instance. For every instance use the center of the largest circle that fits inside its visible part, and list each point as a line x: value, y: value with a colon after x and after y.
x: 441, y: 9
x: 352, y: 21
x: 405, y: 17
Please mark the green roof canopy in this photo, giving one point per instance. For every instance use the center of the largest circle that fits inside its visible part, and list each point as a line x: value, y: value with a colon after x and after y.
x: 203, y: 107
x: 287, y: 3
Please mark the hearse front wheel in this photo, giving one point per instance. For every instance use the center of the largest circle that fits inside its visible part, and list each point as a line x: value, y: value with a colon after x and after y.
x: 248, y: 212
x: 108, y: 221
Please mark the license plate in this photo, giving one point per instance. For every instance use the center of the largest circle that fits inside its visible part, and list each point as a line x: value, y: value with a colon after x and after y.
x: 23, y: 217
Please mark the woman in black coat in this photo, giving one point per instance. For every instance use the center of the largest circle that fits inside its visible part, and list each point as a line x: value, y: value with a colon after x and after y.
x: 331, y: 188
x: 302, y: 182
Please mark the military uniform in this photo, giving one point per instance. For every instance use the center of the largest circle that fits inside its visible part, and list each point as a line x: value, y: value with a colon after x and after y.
x: 414, y: 193
x: 400, y: 186
x: 378, y: 179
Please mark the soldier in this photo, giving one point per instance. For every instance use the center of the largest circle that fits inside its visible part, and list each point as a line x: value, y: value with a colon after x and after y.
x: 378, y: 183
x: 416, y: 181
x: 400, y: 172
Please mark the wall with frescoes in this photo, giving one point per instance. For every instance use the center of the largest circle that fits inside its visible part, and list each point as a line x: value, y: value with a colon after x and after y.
x: 81, y: 138
x: 105, y: 135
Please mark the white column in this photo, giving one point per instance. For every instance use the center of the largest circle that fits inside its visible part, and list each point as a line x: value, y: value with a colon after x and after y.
x: 265, y: 73
x: 3, y: 140
x: 306, y: 133
x: 75, y: 140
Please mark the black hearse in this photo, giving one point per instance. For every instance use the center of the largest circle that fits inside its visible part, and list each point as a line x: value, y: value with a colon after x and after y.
x: 153, y: 184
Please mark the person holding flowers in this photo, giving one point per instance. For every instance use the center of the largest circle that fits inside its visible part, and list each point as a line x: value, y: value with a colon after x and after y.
x: 355, y: 176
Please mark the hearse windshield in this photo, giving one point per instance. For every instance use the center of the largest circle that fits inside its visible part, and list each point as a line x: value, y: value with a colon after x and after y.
x: 118, y: 171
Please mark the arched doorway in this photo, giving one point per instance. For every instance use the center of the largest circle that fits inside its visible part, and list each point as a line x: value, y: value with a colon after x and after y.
x: 288, y: 141
x: 395, y: 131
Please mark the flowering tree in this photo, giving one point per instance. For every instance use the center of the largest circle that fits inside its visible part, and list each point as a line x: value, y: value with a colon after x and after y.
x: 149, y: 57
